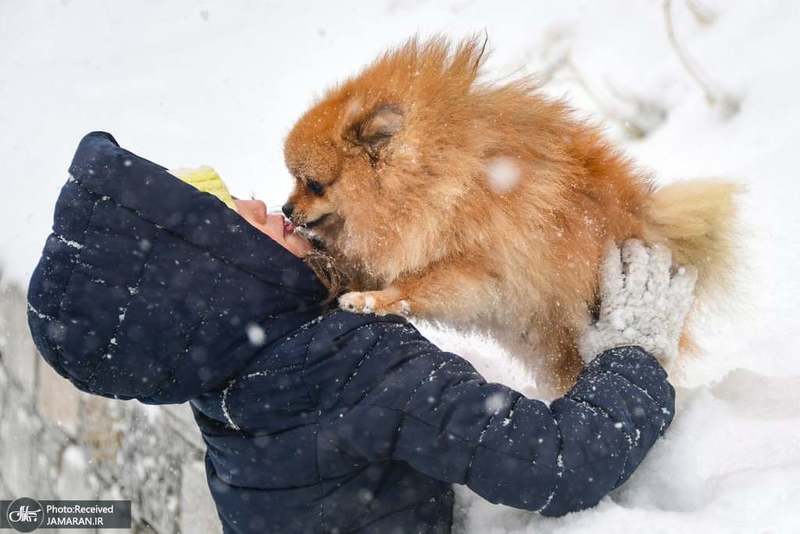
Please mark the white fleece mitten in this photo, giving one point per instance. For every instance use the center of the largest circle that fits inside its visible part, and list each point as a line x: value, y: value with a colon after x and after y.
x: 643, y: 302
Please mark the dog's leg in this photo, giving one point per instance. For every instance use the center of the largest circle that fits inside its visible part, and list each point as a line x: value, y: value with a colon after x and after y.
x: 557, y: 362
x: 381, y: 302
x: 454, y: 290
x: 547, y: 344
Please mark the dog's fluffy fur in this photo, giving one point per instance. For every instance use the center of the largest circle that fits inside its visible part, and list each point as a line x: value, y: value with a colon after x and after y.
x: 396, y: 171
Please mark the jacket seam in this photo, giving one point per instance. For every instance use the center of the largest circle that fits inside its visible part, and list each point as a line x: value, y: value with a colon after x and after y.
x: 189, y: 338
x: 224, y: 405
x: 238, y: 381
x: 457, y: 436
x: 559, y: 465
x: 635, y: 385
x: 366, y: 394
x: 468, y: 472
x: 491, y: 449
x: 628, y: 437
x: 282, y: 488
x: 389, y: 514
x: 404, y: 411
x: 474, y: 453
x: 316, y: 430
x: 276, y: 345
x: 366, y: 354
x: 106, y: 353
x: 75, y: 261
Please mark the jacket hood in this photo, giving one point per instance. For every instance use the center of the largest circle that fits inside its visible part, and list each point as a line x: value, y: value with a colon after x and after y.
x: 148, y: 288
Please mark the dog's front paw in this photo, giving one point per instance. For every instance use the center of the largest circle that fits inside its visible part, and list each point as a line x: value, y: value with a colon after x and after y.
x: 378, y: 302
x: 358, y: 302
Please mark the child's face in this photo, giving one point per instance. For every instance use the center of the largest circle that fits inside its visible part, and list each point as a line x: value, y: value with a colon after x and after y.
x: 274, y: 225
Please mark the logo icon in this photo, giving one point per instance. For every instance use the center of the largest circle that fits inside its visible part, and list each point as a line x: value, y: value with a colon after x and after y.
x: 25, y: 514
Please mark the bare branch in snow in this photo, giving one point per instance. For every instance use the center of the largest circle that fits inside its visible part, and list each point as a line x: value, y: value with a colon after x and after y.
x: 636, y: 116
x: 704, y: 15
x: 715, y: 96
x: 644, y: 115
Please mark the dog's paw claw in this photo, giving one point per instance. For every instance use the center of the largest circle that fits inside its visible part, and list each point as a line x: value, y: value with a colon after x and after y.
x: 374, y: 302
x: 357, y: 302
x: 404, y: 308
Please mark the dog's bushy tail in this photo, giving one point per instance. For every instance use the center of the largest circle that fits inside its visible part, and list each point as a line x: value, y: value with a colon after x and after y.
x: 697, y: 220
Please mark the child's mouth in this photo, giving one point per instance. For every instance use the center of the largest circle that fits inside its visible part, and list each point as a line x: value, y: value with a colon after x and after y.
x: 288, y: 227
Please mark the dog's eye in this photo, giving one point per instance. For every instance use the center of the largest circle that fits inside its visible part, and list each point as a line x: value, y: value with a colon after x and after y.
x: 315, y: 187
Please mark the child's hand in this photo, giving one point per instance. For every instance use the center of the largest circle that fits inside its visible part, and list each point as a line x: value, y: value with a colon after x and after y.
x: 642, y: 302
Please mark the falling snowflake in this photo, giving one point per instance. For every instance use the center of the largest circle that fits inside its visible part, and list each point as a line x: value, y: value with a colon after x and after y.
x: 494, y: 403
x: 503, y: 174
x: 256, y: 335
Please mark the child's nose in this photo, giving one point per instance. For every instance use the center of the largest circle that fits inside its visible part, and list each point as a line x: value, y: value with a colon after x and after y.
x: 258, y: 210
x: 262, y: 210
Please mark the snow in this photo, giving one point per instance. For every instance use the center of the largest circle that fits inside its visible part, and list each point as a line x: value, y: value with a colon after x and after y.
x: 255, y: 335
x: 224, y: 404
x: 69, y: 243
x: 494, y: 403
x: 195, y: 82
x: 503, y: 174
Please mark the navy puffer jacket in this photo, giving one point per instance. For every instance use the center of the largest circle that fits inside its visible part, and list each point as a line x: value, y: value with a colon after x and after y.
x: 315, y: 419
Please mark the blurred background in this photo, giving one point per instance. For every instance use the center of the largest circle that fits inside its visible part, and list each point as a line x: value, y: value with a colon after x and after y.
x: 688, y: 88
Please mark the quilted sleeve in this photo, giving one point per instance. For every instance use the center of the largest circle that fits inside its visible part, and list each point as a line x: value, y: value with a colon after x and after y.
x: 429, y: 408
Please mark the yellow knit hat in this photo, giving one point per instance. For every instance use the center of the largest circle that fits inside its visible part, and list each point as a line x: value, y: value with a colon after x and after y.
x: 206, y: 179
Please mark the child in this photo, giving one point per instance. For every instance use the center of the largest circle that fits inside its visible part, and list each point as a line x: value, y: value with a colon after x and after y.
x: 315, y: 419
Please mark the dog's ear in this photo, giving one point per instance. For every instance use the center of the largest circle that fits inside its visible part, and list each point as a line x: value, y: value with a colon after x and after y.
x: 374, y: 131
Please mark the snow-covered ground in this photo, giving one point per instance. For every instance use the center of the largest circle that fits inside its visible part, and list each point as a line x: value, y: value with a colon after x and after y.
x: 221, y: 82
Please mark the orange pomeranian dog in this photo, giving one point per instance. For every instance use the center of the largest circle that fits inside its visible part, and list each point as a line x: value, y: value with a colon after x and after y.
x: 483, y: 206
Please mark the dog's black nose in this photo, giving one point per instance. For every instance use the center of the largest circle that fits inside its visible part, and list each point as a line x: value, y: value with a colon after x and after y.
x: 288, y: 209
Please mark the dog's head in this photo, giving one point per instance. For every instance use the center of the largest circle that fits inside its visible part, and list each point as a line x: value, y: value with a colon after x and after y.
x: 335, y: 151
x: 376, y: 150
